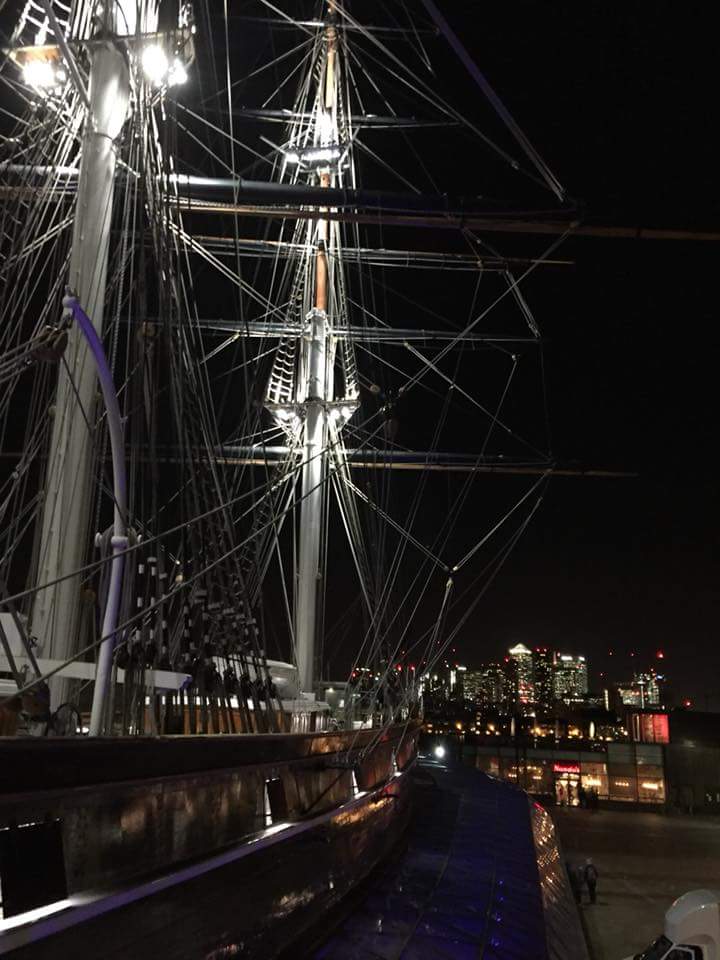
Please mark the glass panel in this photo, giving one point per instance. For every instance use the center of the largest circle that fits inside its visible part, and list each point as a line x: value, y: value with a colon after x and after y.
x: 651, y: 789
x: 597, y: 783
x: 623, y: 788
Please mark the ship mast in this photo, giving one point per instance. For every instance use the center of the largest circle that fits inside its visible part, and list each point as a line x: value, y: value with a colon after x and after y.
x: 314, y: 392
x: 68, y: 493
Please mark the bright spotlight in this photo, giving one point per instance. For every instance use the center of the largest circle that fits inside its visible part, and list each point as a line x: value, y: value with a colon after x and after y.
x: 177, y: 74
x: 39, y: 74
x: 326, y: 127
x: 155, y: 64
x: 439, y: 752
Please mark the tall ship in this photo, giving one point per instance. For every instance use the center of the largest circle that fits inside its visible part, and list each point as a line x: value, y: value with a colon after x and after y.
x: 272, y: 421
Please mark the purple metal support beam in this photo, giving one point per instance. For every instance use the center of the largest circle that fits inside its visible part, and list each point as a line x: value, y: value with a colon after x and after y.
x: 119, y: 539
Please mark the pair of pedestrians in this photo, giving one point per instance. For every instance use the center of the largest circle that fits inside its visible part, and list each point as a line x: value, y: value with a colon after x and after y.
x: 585, y: 875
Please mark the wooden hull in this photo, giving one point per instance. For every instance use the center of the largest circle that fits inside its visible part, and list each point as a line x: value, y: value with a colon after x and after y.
x: 346, y: 805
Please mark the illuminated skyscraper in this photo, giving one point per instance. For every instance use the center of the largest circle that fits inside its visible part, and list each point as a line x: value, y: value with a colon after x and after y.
x: 473, y: 686
x: 488, y: 687
x: 495, y: 686
x: 457, y: 682
x: 522, y: 676
x: 570, y: 677
x: 644, y: 690
x: 543, y: 677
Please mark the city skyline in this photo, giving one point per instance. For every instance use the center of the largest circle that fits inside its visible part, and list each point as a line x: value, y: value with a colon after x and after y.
x: 623, y: 667
x: 536, y: 681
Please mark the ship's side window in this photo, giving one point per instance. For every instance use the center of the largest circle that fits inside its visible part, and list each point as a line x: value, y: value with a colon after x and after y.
x: 276, y: 808
x: 32, y: 867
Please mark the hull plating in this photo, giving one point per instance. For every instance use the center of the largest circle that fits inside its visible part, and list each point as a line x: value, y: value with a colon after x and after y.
x: 238, y: 897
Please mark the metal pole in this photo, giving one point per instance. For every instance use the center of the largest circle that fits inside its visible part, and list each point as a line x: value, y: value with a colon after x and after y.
x: 314, y: 394
x: 119, y: 539
x: 68, y: 491
x: 311, y: 514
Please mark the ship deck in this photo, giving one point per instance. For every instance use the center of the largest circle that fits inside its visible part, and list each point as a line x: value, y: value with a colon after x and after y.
x: 481, y: 877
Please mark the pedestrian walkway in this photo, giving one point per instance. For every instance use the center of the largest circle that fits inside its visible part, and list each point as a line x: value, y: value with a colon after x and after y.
x: 481, y: 879
x: 645, y: 861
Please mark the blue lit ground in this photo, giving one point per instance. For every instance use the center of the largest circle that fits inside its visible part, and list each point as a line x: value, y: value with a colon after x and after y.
x: 466, y: 886
x: 645, y: 860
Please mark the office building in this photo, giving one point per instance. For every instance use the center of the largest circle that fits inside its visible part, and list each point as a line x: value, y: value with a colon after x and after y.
x: 522, y: 677
x: 487, y: 687
x: 543, y: 677
x: 570, y: 677
x: 473, y: 686
x: 644, y: 690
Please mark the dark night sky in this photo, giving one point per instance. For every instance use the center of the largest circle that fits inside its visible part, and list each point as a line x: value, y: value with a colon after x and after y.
x: 618, y: 102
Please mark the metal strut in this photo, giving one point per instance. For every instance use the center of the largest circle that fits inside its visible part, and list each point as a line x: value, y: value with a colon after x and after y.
x: 119, y: 540
x: 68, y: 491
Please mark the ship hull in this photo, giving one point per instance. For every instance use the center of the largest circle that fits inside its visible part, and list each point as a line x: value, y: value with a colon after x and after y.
x: 250, y: 898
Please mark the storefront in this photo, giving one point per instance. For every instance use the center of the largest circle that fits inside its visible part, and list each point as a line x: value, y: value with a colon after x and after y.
x: 567, y: 784
x: 636, y: 773
x: 630, y: 773
x: 594, y: 778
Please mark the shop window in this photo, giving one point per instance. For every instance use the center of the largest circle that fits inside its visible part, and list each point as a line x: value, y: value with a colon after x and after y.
x: 651, y: 789
x: 623, y: 788
x: 594, y: 777
x: 276, y: 809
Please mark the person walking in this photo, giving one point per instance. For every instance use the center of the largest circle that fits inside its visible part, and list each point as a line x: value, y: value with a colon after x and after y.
x: 590, y: 876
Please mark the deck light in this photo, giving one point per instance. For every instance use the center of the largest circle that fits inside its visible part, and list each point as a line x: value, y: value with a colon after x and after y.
x: 313, y: 155
x: 155, y: 64
x: 40, y: 74
x: 177, y: 74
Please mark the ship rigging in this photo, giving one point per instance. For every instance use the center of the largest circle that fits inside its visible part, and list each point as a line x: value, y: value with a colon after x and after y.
x: 273, y: 420
x: 320, y: 402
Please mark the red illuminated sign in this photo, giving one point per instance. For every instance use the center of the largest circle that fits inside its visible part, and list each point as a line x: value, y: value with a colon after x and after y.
x: 566, y: 768
x: 653, y: 728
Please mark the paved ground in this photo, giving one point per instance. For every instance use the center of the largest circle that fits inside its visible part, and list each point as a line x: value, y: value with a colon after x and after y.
x: 645, y: 861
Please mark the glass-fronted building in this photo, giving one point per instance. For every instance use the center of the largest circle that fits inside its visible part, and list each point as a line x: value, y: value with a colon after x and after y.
x: 523, y: 677
x: 570, y: 677
x: 625, y: 772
